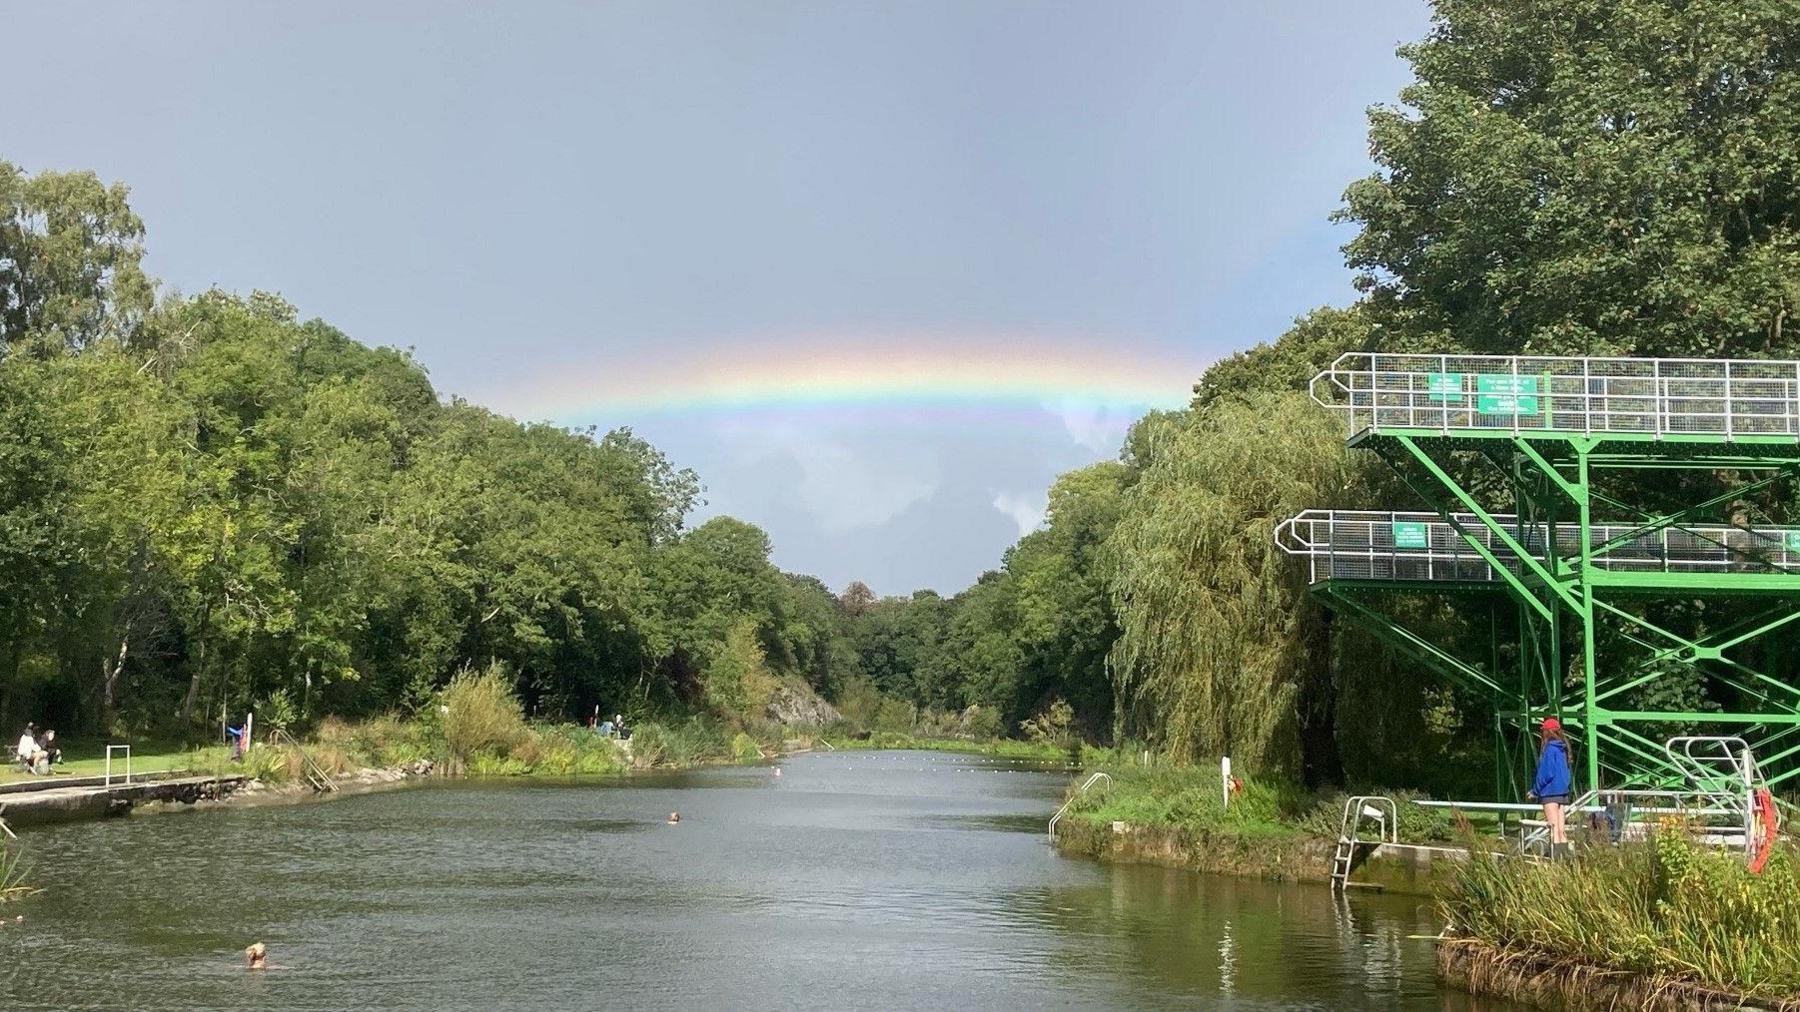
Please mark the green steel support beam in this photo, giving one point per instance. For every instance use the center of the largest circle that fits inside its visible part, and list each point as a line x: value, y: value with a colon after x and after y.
x: 1408, y: 642
x: 1526, y: 561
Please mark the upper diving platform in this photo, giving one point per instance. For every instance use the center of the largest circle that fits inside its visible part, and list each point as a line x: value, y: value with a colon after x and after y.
x: 1424, y: 548
x: 1682, y: 400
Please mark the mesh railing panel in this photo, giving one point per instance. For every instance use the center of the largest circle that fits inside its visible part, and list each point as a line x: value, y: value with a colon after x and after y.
x: 1371, y: 545
x: 1723, y: 397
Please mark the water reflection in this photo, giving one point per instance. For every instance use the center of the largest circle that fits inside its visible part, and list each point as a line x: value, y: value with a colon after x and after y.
x: 874, y: 880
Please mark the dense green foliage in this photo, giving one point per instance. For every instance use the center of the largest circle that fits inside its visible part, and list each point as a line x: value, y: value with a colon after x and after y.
x: 208, y: 504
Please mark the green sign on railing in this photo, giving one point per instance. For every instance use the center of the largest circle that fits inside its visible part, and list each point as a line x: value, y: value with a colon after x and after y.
x: 1444, y: 386
x: 1411, y: 534
x: 1500, y: 394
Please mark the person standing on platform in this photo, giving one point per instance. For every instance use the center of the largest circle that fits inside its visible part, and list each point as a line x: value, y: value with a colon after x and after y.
x: 1552, y: 784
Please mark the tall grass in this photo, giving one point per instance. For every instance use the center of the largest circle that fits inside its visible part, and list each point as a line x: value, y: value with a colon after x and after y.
x: 1667, y: 909
x: 480, y: 712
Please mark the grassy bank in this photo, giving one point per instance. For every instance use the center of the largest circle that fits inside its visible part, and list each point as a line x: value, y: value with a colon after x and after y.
x: 1002, y: 748
x: 1189, y: 799
x: 1676, y: 914
x: 88, y: 759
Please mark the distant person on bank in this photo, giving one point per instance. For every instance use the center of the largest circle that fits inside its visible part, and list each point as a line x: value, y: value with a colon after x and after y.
x: 29, y: 752
x: 1552, y: 784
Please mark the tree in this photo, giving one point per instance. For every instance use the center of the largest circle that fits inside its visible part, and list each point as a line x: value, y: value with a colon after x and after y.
x: 70, y: 262
x: 1593, y: 177
x: 1221, y: 649
x: 857, y: 598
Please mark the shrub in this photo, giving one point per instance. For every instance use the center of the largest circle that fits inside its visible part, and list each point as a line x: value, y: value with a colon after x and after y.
x: 480, y: 712
x: 894, y: 715
x: 279, y: 711
x: 981, y: 722
x: 745, y: 748
x: 1051, y: 727
x: 859, y: 701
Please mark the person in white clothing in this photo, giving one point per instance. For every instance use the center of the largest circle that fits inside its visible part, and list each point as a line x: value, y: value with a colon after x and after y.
x: 28, y: 751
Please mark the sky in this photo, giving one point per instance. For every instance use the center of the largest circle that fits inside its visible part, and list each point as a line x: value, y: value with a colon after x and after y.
x: 878, y: 271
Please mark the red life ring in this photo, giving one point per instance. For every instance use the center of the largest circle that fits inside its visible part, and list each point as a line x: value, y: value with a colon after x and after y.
x: 1770, y: 817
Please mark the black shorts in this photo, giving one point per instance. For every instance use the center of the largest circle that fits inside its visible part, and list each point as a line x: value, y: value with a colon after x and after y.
x: 1554, y: 799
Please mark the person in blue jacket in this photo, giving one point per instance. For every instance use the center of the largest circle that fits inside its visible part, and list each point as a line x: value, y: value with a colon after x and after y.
x: 1552, y: 784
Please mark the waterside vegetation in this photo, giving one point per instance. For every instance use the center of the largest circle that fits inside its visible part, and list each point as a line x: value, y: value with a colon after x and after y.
x: 1685, y: 920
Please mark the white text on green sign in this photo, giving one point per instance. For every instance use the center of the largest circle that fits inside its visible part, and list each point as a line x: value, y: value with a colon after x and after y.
x: 1503, y: 394
x: 1411, y: 534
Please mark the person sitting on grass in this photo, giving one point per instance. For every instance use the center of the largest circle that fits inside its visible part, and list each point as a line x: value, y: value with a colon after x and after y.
x: 1552, y: 784
x: 29, y: 753
x: 47, y: 745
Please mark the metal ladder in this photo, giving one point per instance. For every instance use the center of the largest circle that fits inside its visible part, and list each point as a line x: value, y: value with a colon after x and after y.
x: 1357, y: 810
x: 1083, y: 789
x: 310, y: 771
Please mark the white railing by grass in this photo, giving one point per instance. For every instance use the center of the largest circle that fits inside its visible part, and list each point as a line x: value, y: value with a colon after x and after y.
x: 110, y: 749
x: 1649, y: 396
x: 1083, y: 789
x: 1381, y: 545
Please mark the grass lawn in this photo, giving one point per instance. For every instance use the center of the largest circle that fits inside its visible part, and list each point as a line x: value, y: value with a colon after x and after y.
x: 88, y: 759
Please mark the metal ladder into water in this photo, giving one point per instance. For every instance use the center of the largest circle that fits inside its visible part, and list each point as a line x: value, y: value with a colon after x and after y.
x: 310, y: 771
x: 1358, y: 810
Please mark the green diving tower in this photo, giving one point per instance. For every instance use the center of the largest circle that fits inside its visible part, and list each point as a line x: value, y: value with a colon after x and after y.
x: 1606, y: 513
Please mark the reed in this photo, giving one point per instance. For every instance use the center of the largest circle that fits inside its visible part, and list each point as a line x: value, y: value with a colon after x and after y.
x: 13, y: 873
x: 1666, y: 909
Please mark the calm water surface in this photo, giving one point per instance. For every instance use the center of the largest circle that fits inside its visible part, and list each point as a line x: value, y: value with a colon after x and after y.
x: 869, y: 880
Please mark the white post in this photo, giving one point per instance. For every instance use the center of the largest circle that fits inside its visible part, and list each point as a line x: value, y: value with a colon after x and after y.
x: 1225, y: 779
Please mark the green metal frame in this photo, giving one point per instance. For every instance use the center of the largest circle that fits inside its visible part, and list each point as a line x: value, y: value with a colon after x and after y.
x: 1566, y: 604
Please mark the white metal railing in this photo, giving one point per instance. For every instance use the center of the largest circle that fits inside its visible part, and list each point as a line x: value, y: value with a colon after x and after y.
x: 110, y: 749
x: 1357, y: 810
x: 1717, y: 806
x: 1653, y: 396
x: 1381, y: 545
x: 1083, y: 789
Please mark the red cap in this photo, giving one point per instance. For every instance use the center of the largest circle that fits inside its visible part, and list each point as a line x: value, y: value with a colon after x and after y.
x: 1552, y: 724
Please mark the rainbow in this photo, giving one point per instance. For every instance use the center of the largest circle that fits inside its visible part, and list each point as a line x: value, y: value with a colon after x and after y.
x: 908, y: 373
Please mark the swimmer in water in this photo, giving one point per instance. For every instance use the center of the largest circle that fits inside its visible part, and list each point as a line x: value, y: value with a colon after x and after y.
x: 258, y: 955
x: 674, y: 817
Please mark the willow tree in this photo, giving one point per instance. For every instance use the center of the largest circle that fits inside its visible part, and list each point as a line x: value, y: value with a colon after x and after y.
x: 1221, y: 649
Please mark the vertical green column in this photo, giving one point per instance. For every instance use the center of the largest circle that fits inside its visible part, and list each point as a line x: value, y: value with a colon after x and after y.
x: 1590, y: 714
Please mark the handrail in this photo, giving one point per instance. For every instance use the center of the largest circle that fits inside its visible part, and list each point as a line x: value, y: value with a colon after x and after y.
x: 110, y: 749
x: 1725, y: 398
x: 1083, y: 789
x: 1420, y: 546
x: 1358, y: 808
x: 314, y: 773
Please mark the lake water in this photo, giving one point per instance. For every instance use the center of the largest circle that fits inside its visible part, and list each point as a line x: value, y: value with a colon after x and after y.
x: 890, y: 880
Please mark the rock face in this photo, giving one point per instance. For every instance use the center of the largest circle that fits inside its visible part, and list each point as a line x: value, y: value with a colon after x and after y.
x: 791, y: 705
